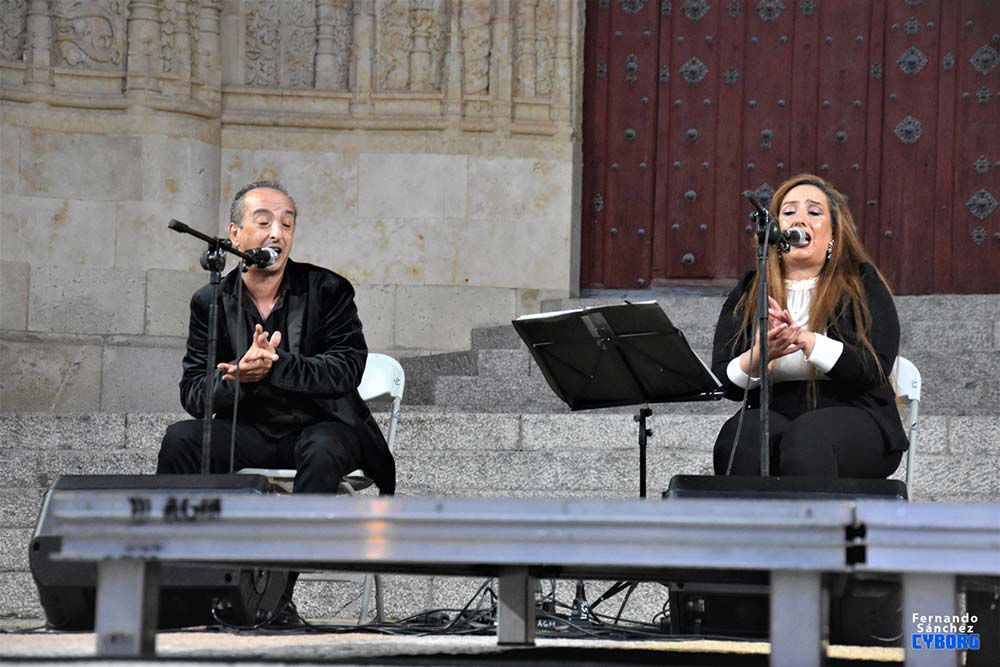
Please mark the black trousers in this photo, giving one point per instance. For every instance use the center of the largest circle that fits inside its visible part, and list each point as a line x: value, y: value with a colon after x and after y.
x: 826, y: 442
x: 321, y: 453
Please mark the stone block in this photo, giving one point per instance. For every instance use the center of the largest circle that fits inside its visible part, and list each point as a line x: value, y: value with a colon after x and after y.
x: 611, y: 472
x: 180, y: 171
x: 66, y: 232
x: 402, y: 595
x: 976, y: 436
x: 543, y: 262
x: 19, y: 508
x: 19, y: 595
x: 420, y: 432
x: 456, y: 592
x: 422, y: 371
x: 943, y: 477
x: 14, y: 548
x: 14, y: 295
x: 502, y: 364
x: 10, y: 154
x: 143, y: 240
x: 530, y: 300
x: 40, y: 467
x: 504, y: 189
x: 141, y: 379
x: 49, y: 376
x: 498, y: 337
x: 663, y: 463
x: 85, y: 431
x: 580, y: 431
x: 168, y: 300
x: 329, y: 599
x: 440, y: 317
x: 387, y: 251
x: 932, y: 434
x: 951, y: 335
x: 376, y: 306
x: 86, y: 300
x: 80, y: 166
x: 324, y: 185
x: 948, y: 307
x: 516, y: 394
x: 399, y: 185
x: 143, y: 432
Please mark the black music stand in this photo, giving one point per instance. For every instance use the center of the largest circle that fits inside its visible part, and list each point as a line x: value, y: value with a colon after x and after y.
x: 624, y: 354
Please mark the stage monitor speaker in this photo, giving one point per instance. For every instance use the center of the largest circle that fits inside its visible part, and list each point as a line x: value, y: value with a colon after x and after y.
x: 784, y: 488
x: 189, y: 594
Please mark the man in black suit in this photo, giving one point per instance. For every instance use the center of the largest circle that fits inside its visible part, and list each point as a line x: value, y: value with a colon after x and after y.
x: 301, y: 353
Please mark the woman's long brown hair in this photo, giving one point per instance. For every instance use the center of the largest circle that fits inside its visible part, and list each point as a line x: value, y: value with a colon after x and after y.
x: 839, y: 284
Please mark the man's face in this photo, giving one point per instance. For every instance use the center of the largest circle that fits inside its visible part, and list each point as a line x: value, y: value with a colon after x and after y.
x: 268, y: 222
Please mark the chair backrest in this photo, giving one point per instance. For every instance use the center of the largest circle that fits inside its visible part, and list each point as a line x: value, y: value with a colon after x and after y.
x: 908, y: 385
x: 383, y: 375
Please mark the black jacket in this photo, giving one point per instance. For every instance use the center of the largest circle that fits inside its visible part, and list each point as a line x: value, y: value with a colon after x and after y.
x: 854, y: 380
x: 327, y: 354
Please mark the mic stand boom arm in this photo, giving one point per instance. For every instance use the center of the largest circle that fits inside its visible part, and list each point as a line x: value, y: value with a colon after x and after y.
x: 214, y: 261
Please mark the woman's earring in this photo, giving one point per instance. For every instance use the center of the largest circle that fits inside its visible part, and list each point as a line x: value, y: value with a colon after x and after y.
x: 829, y: 250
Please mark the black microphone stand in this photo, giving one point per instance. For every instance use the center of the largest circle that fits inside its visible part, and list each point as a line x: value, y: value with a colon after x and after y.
x: 213, y: 260
x: 768, y: 234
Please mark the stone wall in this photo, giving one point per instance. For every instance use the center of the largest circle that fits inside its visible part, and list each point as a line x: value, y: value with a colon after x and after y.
x: 431, y: 146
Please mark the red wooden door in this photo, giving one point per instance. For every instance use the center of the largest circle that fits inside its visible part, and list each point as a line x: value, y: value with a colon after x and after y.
x: 688, y: 103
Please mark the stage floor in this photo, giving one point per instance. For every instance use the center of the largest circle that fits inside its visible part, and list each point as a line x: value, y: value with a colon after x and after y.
x: 191, y: 647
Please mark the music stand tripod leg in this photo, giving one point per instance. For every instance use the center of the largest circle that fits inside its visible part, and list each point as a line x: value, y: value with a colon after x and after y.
x: 644, y: 434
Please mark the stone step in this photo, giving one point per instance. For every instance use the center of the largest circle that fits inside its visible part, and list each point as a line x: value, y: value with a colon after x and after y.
x: 589, y: 454
x: 496, y: 338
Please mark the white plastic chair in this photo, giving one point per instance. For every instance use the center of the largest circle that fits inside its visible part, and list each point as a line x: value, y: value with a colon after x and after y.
x: 908, y: 389
x: 383, y: 376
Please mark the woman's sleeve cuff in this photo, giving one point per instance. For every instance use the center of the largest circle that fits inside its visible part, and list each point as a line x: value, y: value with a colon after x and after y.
x: 826, y: 352
x: 738, y: 377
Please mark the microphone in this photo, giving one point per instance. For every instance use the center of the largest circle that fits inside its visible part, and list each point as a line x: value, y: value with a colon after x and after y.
x: 261, y: 257
x: 796, y: 236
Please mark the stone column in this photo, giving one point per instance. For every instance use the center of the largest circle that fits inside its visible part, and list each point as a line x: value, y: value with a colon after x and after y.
x: 422, y: 22
x: 143, y: 30
x: 501, y: 65
x: 38, y: 50
x: 525, y: 59
x: 456, y: 65
x: 361, y: 58
x: 562, y: 85
x: 209, y: 58
x: 325, y: 61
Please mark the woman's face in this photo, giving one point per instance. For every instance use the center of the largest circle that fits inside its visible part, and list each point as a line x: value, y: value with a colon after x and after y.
x: 806, y: 206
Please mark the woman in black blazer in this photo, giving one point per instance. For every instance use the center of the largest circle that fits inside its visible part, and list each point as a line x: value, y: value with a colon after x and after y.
x: 832, y: 338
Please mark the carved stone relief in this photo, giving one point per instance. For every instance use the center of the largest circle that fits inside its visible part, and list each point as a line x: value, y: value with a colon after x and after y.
x: 280, y: 43
x: 298, y: 43
x: 262, y: 43
x: 545, y: 47
x: 525, y: 54
x: 13, y: 20
x: 440, y: 37
x: 476, y: 43
x: 168, y: 30
x: 88, y: 34
x: 395, y: 39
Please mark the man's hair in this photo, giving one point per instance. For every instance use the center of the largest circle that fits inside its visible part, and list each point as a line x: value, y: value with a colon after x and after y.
x: 236, y: 209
